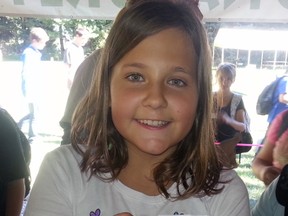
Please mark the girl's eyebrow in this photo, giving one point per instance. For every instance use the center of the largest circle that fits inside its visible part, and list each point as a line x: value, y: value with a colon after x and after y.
x: 180, y: 69
x: 141, y: 65
x: 136, y: 64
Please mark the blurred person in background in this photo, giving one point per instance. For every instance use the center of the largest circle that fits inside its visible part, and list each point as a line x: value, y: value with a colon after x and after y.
x: 13, y: 167
x: 270, y: 160
x: 229, y: 109
x: 74, y: 53
x: 80, y: 86
x: 31, y: 76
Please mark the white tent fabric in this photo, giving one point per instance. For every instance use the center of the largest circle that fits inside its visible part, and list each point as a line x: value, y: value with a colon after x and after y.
x: 213, y: 10
x: 245, y: 10
x: 78, y: 9
x: 251, y: 39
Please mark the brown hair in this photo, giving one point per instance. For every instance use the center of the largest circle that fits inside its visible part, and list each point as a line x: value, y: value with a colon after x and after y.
x: 228, y: 69
x: 194, y: 164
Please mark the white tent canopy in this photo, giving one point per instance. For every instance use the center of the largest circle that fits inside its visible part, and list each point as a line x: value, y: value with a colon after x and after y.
x: 254, y: 40
x: 92, y: 9
x: 251, y: 39
x: 213, y: 10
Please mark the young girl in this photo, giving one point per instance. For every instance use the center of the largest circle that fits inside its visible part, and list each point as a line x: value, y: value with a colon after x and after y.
x: 227, y: 125
x: 144, y: 128
x: 231, y: 117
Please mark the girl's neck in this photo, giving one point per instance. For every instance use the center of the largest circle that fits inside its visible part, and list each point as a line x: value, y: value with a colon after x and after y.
x: 224, y: 97
x: 138, y: 174
x: 136, y: 180
x: 225, y: 92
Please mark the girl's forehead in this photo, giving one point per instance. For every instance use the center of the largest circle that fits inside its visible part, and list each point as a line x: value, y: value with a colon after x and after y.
x: 225, y: 74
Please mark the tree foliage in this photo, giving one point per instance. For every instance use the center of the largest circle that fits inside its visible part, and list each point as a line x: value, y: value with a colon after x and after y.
x: 14, y: 35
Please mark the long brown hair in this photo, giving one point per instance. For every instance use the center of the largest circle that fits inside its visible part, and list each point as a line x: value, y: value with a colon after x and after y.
x: 194, y: 164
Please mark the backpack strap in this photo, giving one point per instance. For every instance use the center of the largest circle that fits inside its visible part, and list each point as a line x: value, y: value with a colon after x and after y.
x: 236, y: 99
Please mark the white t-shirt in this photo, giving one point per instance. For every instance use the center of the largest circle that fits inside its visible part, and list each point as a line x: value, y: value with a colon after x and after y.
x: 73, y: 56
x: 61, y: 189
x: 268, y: 204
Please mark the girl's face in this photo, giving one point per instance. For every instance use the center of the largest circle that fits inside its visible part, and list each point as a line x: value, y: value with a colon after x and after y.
x: 224, y: 81
x: 154, y: 92
x: 81, y: 40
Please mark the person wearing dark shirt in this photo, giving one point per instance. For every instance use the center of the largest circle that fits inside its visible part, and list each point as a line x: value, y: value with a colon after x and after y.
x: 80, y: 86
x: 13, y: 168
x: 229, y: 110
x: 229, y: 122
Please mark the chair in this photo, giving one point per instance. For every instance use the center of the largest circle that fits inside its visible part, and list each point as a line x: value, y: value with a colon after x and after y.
x: 227, y: 151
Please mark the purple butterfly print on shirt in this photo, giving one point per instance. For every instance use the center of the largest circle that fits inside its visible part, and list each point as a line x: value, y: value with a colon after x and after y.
x: 96, y: 213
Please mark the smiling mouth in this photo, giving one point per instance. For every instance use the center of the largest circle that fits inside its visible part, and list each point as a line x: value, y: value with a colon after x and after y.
x: 153, y: 123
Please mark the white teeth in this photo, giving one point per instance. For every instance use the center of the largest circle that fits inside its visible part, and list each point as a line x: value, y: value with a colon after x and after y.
x: 153, y: 123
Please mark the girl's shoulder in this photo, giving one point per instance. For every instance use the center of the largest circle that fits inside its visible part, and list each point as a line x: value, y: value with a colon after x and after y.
x: 233, y: 199
x: 231, y: 182
x: 228, y: 174
x: 64, y: 154
x: 236, y: 96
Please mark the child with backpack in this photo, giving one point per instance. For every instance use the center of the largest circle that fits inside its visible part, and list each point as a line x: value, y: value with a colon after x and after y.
x: 231, y: 118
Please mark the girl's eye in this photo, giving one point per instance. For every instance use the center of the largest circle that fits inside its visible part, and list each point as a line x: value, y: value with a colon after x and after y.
x: 225, y: 80
x: 177, y: 82
x: 135, y: 78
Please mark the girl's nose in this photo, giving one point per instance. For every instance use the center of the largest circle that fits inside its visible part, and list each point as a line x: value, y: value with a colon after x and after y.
x: 224, y: 81
x: 155, y: 97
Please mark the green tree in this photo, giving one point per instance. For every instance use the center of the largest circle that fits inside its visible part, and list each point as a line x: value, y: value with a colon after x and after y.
x: 98, y: 28
x: 14, y: 35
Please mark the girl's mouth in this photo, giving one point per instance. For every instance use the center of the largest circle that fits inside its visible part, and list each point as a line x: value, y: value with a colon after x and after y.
x: 153, y: 123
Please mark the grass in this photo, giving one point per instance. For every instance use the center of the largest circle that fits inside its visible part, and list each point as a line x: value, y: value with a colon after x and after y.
x: 255, y: 186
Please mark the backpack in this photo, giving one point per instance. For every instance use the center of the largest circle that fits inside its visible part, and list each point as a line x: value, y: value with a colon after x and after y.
x: 265, y: 100
x: 246, y: 136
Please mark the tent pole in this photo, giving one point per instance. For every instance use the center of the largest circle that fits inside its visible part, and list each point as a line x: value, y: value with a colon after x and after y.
x: 261, y: 63
x: 285, y: 59
x: 249, y: 57
x: 275, y: 58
